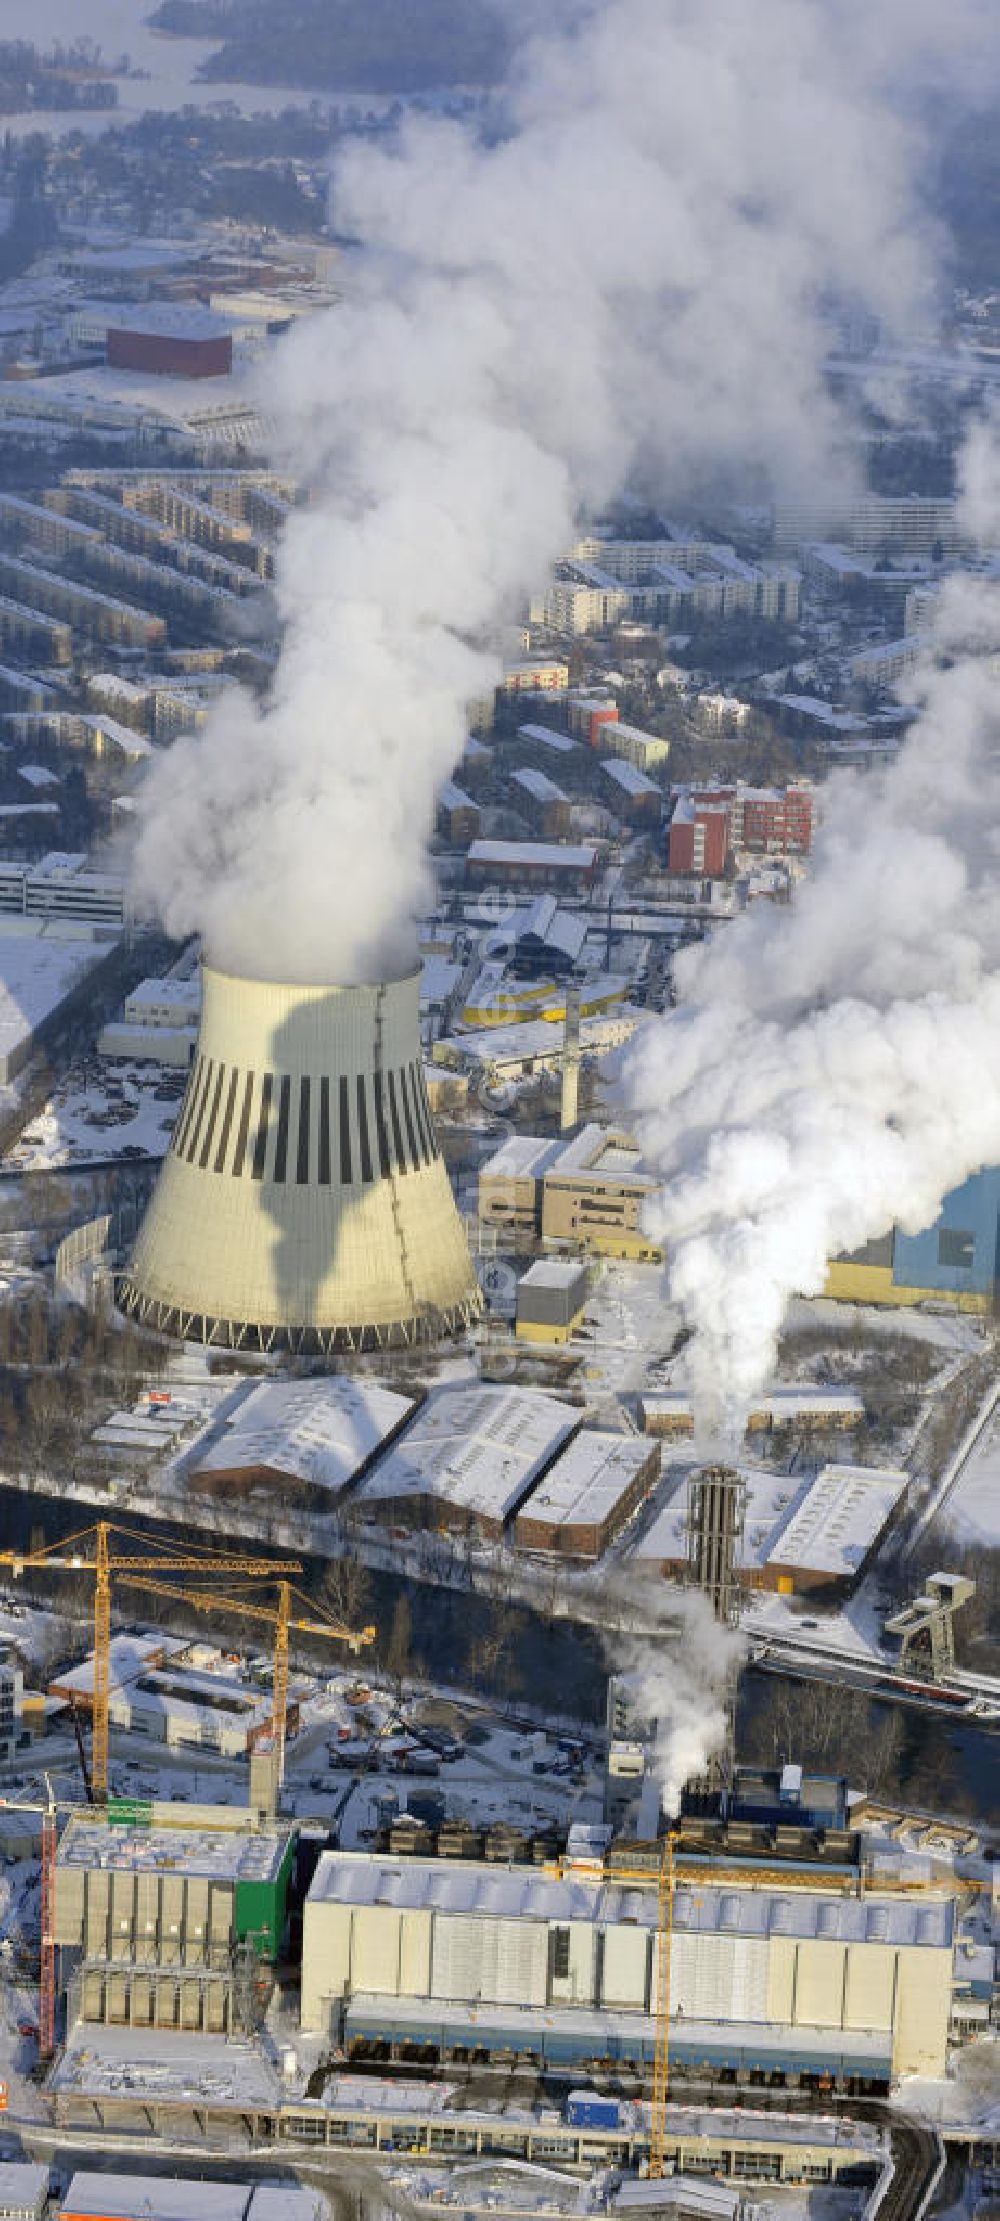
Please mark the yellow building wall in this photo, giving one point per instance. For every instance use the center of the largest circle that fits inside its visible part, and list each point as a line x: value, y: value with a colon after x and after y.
x: 326, y: 1962
x: 871, y: 1985
x: 849, y: 1283
x: 781, y: 1978
x: 567, y: 1219
x: 415, y: 1954
x: 519, y: 1002
x: 819, y: 1984
x: 529, y: 1330
x: 923, y: 2009
x: 375, y: 1948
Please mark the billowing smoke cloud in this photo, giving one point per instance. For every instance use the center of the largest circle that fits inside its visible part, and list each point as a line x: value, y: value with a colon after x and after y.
x: 679, y: 1664
x: 834, y: 1069
x: 632, y: 276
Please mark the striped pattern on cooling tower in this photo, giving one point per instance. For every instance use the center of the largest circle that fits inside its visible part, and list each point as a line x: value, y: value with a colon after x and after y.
x: 336, y: 1132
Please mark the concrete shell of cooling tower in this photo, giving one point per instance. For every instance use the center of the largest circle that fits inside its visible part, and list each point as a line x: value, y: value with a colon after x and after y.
x: 303, y: 1203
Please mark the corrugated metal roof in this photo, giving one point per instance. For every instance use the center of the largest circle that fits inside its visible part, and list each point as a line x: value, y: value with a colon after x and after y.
x: 354, y: 1878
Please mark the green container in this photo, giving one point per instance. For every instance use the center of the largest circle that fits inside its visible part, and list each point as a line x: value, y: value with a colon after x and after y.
x: 129, y: 1812
x: 260, y: 1907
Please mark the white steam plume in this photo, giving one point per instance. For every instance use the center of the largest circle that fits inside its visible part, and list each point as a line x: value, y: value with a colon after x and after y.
x: 834, y: 1069
x: 678, y: 1661
x: 631, y: 278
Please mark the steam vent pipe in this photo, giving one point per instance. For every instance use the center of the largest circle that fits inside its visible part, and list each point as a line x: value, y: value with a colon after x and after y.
x: 303, y: 1203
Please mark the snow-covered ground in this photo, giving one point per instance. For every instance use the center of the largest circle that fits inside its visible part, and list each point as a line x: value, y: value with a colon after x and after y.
x: 110, y: 1109
x: 968, y: 2097
x: 953, y: 1332
x: 971, y: 1513
x: 493, y: 1779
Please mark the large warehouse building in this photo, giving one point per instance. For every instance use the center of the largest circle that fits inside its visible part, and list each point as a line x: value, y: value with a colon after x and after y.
x: 307, y: 1440
x: 463, y: 1958
x: 585, y: 1195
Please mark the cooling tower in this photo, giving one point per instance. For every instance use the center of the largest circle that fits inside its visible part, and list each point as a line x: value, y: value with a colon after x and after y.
x: 303, y: 1203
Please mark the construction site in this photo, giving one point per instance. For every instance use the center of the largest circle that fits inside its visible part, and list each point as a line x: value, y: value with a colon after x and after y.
x: 211, y: 1969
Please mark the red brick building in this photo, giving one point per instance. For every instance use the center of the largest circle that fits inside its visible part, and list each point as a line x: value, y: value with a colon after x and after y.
x: 712, y: 823
x: 698, y: 839
x: 189, y: 343
x: 588, y: 714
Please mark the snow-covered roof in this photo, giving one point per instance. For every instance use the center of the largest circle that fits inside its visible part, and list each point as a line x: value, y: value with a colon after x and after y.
x: 627, y: 776
x: 24, y: 2187
x: 838, y: 1520
x: 545, y: 737
x: 37, y: 971
x: 589, y: 1479
x: 521, y: 1157
x: 250, y: 1854
x: 453, y: 797
x: 554, y: 855
x: 504, y: 1893
x: 769, y: 1499
x: 562, y: 930
x: 223, y: 2071
x: 551, y: 1272
x: 478, y: 1449
x: 153, y: 2198
x: 37, y: 775
x: 599, y: 1154
x: 320, y: 1431
x: 538, y: 1039
x: 130, y: 1655
x: 539, y: 786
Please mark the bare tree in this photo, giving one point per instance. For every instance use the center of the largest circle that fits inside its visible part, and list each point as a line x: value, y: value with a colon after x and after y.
x: 397, y: 1657
x: 345, y: 1591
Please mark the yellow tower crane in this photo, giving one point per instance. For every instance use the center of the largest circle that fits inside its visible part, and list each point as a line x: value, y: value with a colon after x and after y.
x: 279, y: 1617
x: 661, y: 2040
x: 104, y: 1550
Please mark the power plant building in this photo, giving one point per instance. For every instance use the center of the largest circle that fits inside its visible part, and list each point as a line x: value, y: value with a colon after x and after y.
x: 956, y: 1260
x: 304, y: 1203
x: 586, y: 1194
x: 799, y: 1537
x: 153, y: 1905
x: 453, y: 1956
x: 47, y: 973
x: 551, y: 1300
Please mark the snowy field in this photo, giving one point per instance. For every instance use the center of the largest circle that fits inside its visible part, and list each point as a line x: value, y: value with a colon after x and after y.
x: 971, y: 1513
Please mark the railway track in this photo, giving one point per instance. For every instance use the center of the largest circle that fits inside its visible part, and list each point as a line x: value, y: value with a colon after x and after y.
x: 918, y: 2162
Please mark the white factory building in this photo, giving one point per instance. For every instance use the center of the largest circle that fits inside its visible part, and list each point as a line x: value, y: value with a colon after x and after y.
x: 175, y: 1692
x: 45, y: 975
x: 471, y: 1956
x: 159, y: 1020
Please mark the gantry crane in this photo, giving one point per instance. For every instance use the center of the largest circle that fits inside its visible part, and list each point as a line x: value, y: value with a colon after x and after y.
x: 279, y: 1617
x: 100, y: 1559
